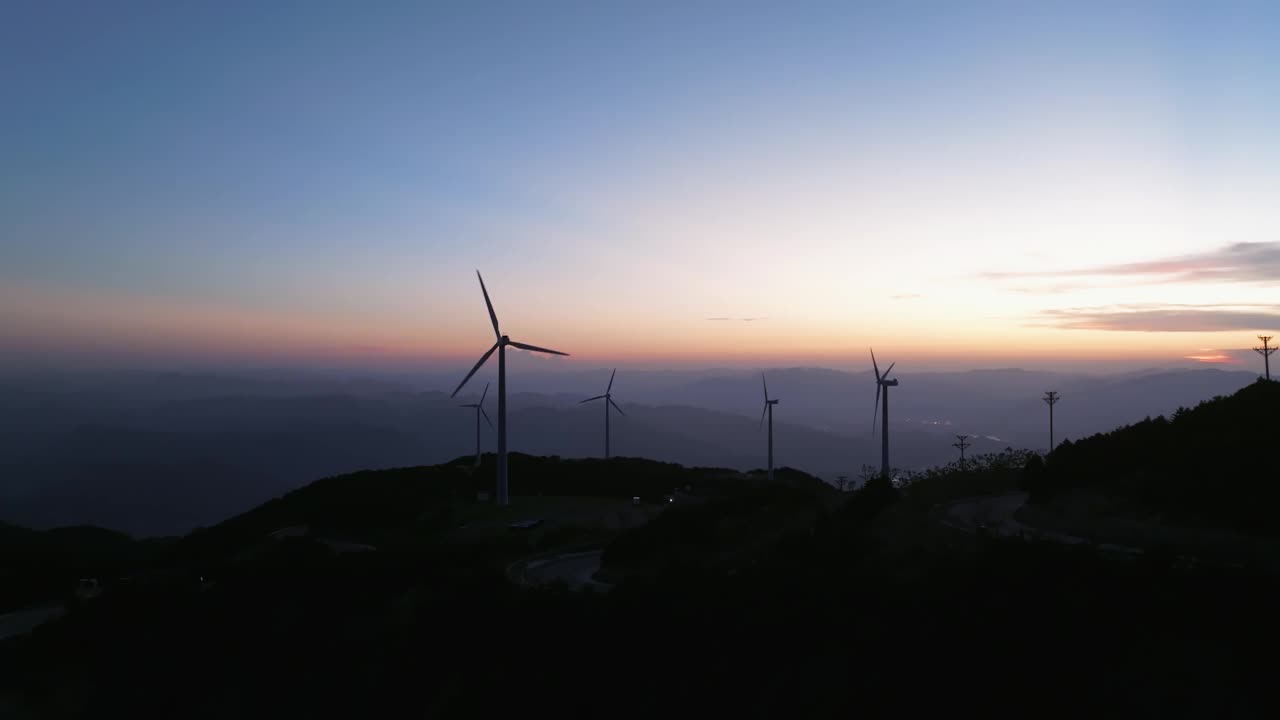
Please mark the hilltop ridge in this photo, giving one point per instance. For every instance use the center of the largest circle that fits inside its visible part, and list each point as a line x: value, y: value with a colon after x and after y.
x: 1213, y: 464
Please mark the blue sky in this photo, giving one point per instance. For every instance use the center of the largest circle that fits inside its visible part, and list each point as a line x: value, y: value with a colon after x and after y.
x: 319, y: 180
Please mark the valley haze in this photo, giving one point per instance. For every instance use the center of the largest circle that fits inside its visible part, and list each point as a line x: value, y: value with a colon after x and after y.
x: 160, y: 453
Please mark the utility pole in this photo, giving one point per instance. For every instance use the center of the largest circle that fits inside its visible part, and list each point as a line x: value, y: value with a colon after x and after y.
x: 1265, y: 351
x: 842, y: 481
x: 1051, y: 398
x: 962, y: 442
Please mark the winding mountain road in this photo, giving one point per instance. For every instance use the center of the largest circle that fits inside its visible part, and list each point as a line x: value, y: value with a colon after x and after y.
x: 575, y: 569
x: 996, y: 514
x: 21, y: 622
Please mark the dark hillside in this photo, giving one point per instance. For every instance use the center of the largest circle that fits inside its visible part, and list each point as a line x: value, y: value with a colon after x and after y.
x: 39, y: 566
x: 409, y: 504
x: 822, y: 622
x: 1214, y: 464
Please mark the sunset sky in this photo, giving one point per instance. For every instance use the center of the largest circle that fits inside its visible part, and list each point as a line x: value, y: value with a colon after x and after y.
x: 960, y: 184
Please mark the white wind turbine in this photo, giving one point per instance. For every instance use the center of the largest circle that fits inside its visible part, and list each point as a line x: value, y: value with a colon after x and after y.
x: 608, y: 400
x: 501, y: 347
x: 479, y: 408
x: 883, y: 383
x: 768, y: 409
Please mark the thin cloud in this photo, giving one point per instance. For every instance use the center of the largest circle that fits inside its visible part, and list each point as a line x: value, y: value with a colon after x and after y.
x: 1223, y: 356
x: 1059, y: 288
x: 1241, y: 262
x: 1211, y: 358
x: 1164, y: 318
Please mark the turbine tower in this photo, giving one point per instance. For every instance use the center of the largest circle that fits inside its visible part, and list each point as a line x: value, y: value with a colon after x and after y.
x: 608, y: 400
x: 1051, y: 398
x: 501, y: 347
x: 962, y: 442
x: 883, y: 383
x: 768, y: 409
x: 1265, y: 351
x: 479, y: 407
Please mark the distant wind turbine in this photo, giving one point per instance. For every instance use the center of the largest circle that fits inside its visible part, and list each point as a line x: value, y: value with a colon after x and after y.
x: 608, y: 400
x: 479, y: 407
x: 883, y: 383
x: 768, y: 410
x: 501, y: 347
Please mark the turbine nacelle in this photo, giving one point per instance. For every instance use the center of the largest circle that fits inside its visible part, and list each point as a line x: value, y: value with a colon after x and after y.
x: 768, y: 410
x: 608, y: 401
x: 479, y: 406
x: 499, y: 346
x: 882, y: 384
x: 882, y: 378
x: 607, y: 396
x: 767, y: 402
x: 502, y: 341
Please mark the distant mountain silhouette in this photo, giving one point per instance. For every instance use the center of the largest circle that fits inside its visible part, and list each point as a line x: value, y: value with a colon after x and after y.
x: 1002, y: 403
x: 161, y: 453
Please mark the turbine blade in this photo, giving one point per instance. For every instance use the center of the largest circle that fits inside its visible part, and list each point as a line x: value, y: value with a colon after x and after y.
x: 875, y: 411
x: 535, y: 348
x: 486, y: 416
x: 590, y: 399
x: 615, y: 406
x: 886, y: 372
x: 483, y: 394
x: 610, y: 388
x: 874, y: 366
x: 762, y: 412
x: 474, y: 369
x: 492, y: 315
x: 766, y: 387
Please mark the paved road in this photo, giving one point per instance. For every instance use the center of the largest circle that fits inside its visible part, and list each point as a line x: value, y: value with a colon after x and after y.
x: 996, y: 514
x: 993, y: 513
x: 574, y: 568
x: 21, y: 622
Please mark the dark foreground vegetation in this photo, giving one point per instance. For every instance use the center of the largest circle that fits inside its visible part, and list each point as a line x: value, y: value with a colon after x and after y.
x: 383, y: 594
x: 1213, y: 466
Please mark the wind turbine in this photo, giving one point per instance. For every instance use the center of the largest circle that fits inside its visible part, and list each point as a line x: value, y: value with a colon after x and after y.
x: 883, y: 383
x: 479, y: 406
x: 501, y: 347
x: 608, y: 400
x: 768, y: 409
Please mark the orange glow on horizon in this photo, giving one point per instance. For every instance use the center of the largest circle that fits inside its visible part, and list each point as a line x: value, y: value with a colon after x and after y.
x: 1212, y: 359
x: 126, y: 326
